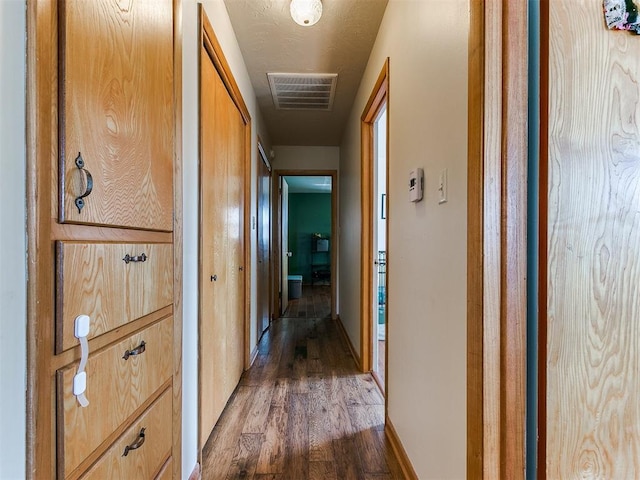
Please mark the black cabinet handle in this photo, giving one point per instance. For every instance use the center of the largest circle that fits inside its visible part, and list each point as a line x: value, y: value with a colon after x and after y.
x: 135, y: 351
x: 79, y: 201
x: 130, y: 258
x: 135, y: 445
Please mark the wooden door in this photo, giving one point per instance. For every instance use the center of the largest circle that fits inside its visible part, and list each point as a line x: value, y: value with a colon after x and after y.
x: 591, y: 254
x: 264, y: 245
x: 223, y: 132
x: 214, y: 245
x: 116, y: 138
x: 234, y: 262
x: 284, y: 241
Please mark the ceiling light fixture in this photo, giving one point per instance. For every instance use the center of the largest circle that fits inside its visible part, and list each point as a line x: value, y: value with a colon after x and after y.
x: 306, y: 12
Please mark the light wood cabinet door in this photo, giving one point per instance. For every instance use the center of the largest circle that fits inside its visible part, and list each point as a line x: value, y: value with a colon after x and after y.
x: 146, y: 461
x: 116, y: 388
x: 113, y: 283
x: 117, y: 108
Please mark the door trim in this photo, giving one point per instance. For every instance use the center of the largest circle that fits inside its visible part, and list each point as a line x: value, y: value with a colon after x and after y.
x: 276, y: 228
x: 379, y: 96
x: 496, y: 236
x: 262, y: 157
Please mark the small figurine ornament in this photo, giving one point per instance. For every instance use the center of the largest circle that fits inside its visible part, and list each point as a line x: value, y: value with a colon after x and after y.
x: 622, y: 15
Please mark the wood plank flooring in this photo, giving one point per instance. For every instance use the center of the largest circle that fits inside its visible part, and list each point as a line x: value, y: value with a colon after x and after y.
x: 315, y: 302
x: 302, y: 411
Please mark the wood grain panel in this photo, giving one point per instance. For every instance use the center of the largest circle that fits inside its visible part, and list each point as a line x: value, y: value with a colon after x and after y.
x: 167, y: 471
x: 593, y: 220
x: 117, y: 112
x: 93, y: 279
x: 226, y: 111
x: 513, y: 286
x: 214, y: 283
x: 475, y: 254
x: 115, y: 389
x: 150, y: 459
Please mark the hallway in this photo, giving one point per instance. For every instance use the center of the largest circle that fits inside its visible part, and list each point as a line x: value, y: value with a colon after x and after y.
x: 302, y: 411
x: 315, y: 302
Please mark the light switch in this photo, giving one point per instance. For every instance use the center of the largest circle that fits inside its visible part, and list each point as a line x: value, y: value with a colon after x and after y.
x: 442, y: 187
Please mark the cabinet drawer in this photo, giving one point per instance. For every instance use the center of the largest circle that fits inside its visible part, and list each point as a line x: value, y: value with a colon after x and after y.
x: 116, y: 387
x: 145, y: 461
x: 94, y: 279
x: 167, y: 471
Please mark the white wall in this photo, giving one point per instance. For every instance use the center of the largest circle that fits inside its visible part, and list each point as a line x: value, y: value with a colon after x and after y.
x: 219, y: 19
x: 13, y: 314
x: 306, y: 158
x: 426, y: 41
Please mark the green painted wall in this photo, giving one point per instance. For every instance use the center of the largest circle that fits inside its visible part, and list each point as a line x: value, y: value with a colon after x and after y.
x: 309, y: 213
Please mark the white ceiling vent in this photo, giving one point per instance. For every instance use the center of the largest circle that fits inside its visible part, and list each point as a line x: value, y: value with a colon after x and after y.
x: 303, y: 91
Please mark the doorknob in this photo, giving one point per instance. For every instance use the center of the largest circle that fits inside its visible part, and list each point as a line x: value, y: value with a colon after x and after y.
x: 289, y: 254
x: 214, y: 278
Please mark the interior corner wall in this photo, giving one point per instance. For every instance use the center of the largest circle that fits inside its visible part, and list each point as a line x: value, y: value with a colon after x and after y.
x: 219, y: 18
x: 426, y: 42
x: 13, y: 248
x: 306, y: 158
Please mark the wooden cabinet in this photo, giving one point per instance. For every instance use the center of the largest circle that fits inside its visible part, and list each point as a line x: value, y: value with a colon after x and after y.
x: 105, y: 197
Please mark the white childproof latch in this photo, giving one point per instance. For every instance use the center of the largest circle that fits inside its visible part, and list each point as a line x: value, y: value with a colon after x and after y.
x: 80, y: 379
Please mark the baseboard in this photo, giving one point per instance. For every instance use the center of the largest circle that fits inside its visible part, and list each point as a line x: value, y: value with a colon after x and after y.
x: 196, y: 474
x: 399, y: 451
x: 253, y: 355
x: 345, y: 336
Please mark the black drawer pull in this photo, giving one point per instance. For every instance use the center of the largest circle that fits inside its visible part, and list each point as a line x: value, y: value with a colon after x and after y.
x: 79, y: 201
x: 135, y: 445
x: 136, y: 351
x: 130, y: 258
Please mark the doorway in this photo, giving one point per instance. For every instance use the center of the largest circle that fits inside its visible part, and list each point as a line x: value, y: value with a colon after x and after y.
x: 263, y: 233
x: 374, y: 212
x: 304, y: 247
x: 379, y: 214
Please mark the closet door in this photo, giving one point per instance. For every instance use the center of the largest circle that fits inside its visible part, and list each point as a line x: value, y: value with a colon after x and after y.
x: 223, y: 132
x: 235, y: 267
x: 116, y: 133
x: 214, y: 282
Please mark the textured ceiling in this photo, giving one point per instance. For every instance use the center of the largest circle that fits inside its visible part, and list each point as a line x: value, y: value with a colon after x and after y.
x: 339, y: 43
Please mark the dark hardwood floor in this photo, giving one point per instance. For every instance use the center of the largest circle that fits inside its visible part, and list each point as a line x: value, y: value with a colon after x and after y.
x: 315, y: 302
x: 302, y: 411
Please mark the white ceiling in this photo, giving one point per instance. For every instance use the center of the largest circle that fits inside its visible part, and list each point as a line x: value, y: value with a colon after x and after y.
x: 271, y: 42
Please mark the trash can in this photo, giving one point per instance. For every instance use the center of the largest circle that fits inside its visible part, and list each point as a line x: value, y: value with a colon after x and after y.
x: 295, y: 286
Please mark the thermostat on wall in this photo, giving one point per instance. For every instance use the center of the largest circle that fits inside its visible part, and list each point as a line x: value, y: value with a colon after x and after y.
x: 416, y: 184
